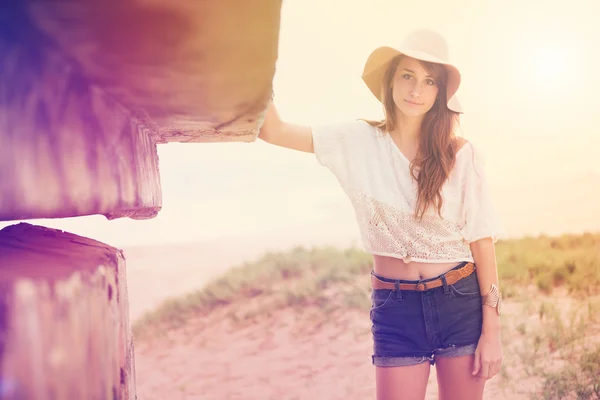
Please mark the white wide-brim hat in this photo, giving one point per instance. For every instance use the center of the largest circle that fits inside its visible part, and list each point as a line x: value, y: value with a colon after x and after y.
x: 422, y: 44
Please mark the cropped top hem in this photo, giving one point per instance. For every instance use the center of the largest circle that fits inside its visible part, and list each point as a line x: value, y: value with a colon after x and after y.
x: 421, y: 260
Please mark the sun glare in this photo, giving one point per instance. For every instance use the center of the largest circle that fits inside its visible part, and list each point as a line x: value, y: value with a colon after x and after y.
x: 550, y: 64
x: 544, y: 65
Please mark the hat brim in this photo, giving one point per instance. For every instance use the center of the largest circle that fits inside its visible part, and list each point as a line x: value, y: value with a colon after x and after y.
x: 378, y: 62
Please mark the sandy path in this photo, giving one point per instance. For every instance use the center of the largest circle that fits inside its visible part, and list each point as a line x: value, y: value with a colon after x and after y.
x: 291, y: 355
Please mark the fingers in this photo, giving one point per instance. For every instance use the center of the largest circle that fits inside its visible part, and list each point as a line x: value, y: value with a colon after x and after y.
x: 477, y: 363
x: 485, y: 370
x: 489, y: 369
x: 496, y: 368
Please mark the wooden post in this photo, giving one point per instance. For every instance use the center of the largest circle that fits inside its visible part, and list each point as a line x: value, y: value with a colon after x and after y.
x: 64, y: 318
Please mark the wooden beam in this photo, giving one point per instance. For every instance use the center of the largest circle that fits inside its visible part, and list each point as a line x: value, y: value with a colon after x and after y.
x: 195, y: 71
x: 89, y: 88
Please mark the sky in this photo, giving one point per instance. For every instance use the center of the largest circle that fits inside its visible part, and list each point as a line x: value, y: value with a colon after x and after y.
x: 530, y: 87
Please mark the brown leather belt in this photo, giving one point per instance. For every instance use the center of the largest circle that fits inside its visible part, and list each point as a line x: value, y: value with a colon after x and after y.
x: 452, y: 277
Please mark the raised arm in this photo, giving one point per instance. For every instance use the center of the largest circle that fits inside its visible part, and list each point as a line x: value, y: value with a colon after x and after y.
x: 280, y: 133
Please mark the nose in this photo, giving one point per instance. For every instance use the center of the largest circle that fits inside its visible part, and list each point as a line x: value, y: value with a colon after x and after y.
x: 416, y: 90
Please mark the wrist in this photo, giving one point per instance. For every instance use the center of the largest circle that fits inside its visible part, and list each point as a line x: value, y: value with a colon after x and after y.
x: 491, y: 320
x: 490, y: 329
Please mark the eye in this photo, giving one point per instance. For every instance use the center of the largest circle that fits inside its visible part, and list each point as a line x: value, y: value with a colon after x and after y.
x: 407, y: 76
x: 430, y: 82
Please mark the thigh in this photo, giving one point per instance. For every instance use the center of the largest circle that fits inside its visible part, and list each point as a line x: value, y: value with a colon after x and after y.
x: 402, y: 383
x: 455, y: 379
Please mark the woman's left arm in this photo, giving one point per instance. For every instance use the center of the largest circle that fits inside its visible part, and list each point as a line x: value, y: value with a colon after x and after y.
x: 488, y: 356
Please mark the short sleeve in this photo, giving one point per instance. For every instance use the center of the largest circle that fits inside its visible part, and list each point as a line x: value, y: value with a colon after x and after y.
x: 478, y: 212
x: 339, y: 146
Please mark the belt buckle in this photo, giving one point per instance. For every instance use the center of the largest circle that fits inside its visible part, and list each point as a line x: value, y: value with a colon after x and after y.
x: 419, y: 286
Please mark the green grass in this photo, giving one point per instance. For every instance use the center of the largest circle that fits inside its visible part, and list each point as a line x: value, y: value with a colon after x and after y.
x: 570, y: 261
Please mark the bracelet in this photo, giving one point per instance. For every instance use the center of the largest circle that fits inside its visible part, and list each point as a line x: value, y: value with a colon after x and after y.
x: 493, y: 299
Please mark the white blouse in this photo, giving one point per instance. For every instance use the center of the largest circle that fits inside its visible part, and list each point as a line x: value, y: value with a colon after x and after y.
x: 375, y: 175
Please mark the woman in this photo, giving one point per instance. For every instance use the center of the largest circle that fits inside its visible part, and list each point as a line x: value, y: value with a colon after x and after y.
x: 424, y: 211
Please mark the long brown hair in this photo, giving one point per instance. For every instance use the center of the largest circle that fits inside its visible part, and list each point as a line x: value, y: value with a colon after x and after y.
x: 437, y: 143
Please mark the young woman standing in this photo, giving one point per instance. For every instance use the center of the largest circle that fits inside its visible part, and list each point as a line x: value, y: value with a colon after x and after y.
x: 424, y: 210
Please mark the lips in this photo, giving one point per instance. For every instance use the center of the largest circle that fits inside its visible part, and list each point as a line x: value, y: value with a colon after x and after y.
x: 413, y: 103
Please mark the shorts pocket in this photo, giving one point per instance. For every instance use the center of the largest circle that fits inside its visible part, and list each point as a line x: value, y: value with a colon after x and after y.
x: 466, y: 287
x: 380, y: 298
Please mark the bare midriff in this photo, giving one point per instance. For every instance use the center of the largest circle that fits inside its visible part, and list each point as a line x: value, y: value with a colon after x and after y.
x: 395, y: 268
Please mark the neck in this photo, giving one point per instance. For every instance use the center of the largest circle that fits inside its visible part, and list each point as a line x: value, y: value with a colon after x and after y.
x: 407, y: 130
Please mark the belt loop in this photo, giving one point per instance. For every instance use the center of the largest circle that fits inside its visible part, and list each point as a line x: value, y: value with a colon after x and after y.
x: 446, y: 287
x: 398, y: 291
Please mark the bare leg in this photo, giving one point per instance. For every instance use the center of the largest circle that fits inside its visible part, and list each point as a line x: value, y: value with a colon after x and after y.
x: 455, y: 381
x: 402, y: 383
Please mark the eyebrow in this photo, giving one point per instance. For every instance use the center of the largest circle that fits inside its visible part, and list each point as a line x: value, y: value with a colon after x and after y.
x: 413, y: 72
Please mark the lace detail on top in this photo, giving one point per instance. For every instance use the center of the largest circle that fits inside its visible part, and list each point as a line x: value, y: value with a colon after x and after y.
x: 388, y: 231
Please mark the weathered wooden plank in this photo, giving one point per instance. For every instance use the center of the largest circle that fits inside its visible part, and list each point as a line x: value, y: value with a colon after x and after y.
x: 64, y: 318
x: 193, y: 70
x: 87, y: 89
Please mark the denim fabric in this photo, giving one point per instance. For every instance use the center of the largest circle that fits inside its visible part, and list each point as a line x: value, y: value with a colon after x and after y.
x: 411, y: 327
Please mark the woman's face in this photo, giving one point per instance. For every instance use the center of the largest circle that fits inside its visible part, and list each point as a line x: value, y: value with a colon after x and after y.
x: 414, y: 90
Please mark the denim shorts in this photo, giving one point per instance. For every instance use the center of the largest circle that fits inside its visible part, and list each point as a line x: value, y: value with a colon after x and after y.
x: 410, y: 327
